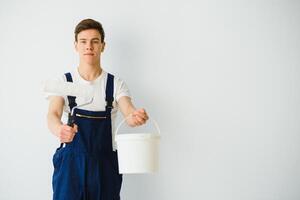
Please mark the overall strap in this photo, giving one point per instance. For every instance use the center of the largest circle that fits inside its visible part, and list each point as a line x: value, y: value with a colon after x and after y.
x: 109, y: 93
x: 71, y: 99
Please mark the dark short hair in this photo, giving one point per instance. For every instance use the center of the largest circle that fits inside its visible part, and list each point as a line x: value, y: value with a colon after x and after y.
x: 89, y: 24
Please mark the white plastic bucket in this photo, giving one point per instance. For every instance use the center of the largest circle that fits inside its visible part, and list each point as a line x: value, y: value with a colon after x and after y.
x: 138, y: 152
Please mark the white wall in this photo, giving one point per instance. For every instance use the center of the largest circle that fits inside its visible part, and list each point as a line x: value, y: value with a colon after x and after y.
x: 220, y: 77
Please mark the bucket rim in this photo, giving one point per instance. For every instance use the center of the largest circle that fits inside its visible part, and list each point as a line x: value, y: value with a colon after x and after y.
x: 137, y: 136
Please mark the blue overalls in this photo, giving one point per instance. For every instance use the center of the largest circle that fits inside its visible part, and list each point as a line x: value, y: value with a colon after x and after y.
x: 87, y: 168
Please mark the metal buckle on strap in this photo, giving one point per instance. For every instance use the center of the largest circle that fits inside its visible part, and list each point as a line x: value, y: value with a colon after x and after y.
x: 111, y: 107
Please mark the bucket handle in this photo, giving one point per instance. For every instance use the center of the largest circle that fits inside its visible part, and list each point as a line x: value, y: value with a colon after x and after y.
x: 130, y: 115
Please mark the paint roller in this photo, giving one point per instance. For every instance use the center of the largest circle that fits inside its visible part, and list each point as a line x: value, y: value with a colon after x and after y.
x: 60, y: 88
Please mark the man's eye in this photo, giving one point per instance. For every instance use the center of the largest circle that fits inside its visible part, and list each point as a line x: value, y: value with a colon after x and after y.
x: 96, y: 42
x: 83, y: 42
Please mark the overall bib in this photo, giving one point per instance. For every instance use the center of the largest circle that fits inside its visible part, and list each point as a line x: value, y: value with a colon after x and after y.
x: 87, y: 167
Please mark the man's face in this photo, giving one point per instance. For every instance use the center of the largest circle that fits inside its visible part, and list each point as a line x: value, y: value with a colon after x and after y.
x: 89, y: 46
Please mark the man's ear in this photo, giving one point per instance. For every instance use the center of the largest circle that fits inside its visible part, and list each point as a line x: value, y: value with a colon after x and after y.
x: 75, y: 46
x: 103, y: 46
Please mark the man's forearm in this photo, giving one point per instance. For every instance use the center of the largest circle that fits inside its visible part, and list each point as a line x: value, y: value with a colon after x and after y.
x: 54, y: 123
x: 139, y: 116
x: 129, y: 109
x: 126, y: 106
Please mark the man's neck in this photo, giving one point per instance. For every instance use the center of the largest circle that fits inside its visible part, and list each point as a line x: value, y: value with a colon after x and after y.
x: 89, y: 72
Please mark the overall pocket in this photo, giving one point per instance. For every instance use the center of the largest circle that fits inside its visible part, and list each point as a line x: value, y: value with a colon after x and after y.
x: 57, y: 157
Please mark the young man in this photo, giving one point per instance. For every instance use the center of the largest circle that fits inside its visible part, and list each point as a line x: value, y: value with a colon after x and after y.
x: 87, y: 166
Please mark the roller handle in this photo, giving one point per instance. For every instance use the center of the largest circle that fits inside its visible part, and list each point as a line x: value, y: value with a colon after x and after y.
x: 71, y: 121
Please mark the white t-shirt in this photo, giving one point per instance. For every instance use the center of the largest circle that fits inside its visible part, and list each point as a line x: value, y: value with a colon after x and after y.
x: 98, y: 103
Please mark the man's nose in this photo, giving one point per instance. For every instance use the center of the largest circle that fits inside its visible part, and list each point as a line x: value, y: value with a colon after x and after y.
x: 89, y: 46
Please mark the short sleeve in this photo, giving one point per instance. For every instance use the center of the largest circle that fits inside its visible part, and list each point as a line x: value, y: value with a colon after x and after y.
x: 48, y: 94
x: 121, y: 89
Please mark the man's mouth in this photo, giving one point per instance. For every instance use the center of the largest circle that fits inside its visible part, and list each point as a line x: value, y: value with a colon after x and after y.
x: 89, y: 54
